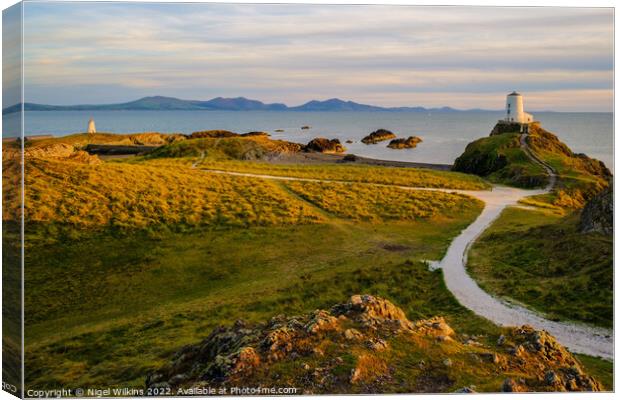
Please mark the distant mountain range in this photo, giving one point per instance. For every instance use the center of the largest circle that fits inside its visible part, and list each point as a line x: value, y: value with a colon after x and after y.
x: 220, y: 103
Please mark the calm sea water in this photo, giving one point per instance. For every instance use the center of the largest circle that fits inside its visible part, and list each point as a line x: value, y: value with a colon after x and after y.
x: 445, y: 134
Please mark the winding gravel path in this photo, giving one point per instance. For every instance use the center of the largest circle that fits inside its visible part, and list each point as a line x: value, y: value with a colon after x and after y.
x: 577, y: 337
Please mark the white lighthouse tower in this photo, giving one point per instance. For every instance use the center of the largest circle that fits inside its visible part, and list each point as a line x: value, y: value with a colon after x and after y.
x: 91, y: 126
x: 514, y: 109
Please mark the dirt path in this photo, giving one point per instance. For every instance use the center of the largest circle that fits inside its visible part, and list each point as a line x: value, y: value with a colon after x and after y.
x: 577, y: 337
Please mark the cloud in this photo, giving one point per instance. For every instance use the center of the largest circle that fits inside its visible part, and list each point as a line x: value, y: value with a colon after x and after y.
x: 293, y: 53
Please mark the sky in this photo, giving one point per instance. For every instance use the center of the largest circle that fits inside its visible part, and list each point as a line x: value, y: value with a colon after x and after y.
x: 465, y: 57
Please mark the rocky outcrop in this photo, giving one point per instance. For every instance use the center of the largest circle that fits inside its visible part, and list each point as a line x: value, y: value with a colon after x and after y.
x: 482, y: 160
x: 505, y: 127
x: 323, y: 145
x: 265, y: 134
x: 155, y: 139
x: 368, y: 345
x: 409, y: 143
x: 61, y: 151
x: 378, y: 136
x: 217, y: 133
x: 598, y: 214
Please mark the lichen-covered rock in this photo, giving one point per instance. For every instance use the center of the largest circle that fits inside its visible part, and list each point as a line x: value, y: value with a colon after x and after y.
x: 378, y: 136
x: 368, y: 345
x: 408, y: 143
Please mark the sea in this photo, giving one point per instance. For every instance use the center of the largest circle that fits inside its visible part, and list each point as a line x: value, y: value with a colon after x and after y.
x: 444, y: 134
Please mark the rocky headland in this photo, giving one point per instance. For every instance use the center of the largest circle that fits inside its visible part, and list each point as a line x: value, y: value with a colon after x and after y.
x: 502, y: 158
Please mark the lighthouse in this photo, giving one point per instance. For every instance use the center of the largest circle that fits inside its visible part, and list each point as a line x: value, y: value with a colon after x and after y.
x: 91, y: 126
x: 514, y: 109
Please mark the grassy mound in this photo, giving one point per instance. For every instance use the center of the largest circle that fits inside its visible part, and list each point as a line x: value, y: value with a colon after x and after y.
x: 544, y: 261
x: 225, y: 148
x: 80, y: 140
x: 500, y: 159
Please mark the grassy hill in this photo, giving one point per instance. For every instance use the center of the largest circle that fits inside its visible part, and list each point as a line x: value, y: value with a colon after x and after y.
x: 500, y: 159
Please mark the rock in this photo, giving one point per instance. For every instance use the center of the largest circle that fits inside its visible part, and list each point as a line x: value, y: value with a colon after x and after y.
x: 370, y: 310
x: 409, y: 143
x: 349, y: 141
x: 321, y: 321
x: 349, y: 158
x: 491, y: 357
x: 279, y: 130
x: 353, y: 334
x: 323, y: 145
x: 598, y: 213
x: 435, y: 326
x: 551, y: 378
x: 305, y: 127
x: 377, y: 344
x: 501, y: 340
x: 249, y: 134
x: 510, y: 385
x: 351, y: 343
x: 516, y: 350
x: 378, y: 136
x: 218, y: 133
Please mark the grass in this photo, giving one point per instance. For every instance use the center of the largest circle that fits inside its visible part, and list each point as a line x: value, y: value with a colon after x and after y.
x: 127, y: 261
x: 540, y: 259
x: 80, y: 140
x: 234, y: 154
x: 367, y: 203
x: 128, y: 196
x: 603, y: 370
x: 418, y: 177
x: 231, y: 148
x: 109, y: 318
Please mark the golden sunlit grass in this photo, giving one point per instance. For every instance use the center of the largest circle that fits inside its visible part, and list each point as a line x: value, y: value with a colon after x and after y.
x: 356, y: 173
x: 363, y: 202
x: 137, y: 196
